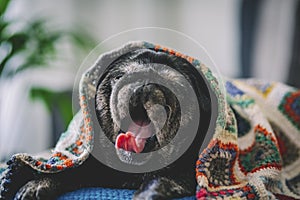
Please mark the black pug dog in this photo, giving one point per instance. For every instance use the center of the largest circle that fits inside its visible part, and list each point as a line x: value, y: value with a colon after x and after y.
x: 150, y: 132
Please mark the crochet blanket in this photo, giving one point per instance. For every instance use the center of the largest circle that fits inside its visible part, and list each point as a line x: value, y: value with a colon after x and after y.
x: 254, y: 152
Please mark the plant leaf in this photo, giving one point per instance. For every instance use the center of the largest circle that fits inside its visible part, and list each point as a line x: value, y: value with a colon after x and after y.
x: 3, y: 6
x: 51, y: 99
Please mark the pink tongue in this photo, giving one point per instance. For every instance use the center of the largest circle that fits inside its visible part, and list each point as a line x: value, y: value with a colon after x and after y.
x: 128, y: 142
x: 135, y: 138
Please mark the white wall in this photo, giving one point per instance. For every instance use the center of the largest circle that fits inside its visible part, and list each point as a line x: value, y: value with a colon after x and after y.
x: 212, y: 23
x: 272, y: 54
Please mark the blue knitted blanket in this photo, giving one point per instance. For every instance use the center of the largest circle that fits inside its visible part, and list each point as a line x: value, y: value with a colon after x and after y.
x: 253, y: 154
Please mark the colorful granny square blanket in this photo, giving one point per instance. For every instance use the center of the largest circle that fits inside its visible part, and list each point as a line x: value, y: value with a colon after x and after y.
x: 254, y: 152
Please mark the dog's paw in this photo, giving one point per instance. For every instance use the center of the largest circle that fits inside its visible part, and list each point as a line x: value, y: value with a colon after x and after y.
x: 162, y: 188
x: 38, y: 189
x: 152, y: 190
x: 149, y: 194
x: 16, y: 175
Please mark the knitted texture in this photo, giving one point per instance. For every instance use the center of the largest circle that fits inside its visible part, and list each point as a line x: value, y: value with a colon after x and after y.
x: 103, y: 193
x: 98, y: 193
x: 254, y: 153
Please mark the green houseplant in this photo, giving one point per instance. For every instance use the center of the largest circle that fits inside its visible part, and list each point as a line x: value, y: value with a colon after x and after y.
x: 35, y: 45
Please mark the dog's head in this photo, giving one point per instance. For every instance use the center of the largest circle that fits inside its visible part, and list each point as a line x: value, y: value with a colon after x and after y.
x: 138, y: 100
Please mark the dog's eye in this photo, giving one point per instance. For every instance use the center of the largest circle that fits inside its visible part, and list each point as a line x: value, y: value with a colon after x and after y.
x: 118, y: 77
x: 167, y: 108
x: 115, y: 79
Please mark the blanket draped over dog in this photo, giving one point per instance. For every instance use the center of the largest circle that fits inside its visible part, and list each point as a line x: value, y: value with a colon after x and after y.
x: 254, y: 152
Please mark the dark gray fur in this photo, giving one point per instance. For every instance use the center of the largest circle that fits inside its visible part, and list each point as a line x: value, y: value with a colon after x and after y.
x: 174, y: 181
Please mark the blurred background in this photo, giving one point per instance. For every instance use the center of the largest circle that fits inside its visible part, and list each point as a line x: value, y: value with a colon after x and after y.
x: 43, y: 43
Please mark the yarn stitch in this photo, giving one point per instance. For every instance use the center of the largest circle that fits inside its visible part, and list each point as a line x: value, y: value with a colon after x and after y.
x: 254, y: 153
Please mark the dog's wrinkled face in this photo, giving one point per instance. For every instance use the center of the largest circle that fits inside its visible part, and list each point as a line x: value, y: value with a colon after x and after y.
x: 140, y: 115
x: 145, y: 110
